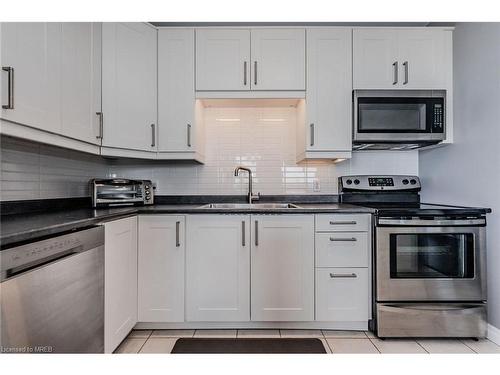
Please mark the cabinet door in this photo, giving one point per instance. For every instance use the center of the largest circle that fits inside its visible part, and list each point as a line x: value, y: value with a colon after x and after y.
x: 422, y: 58
x: 342, y: 294
x: 375, y: 55
x: 161, y: 268
x: 282, y: 268
x: 120, y: 281
x: 33, y: 51
x: 278, y: 59
x: 176, y: 90
x: 329, y: 90
x: 218, y: 268
x: 129, y: 86
x: 81, y: 80
x: 222, y: 59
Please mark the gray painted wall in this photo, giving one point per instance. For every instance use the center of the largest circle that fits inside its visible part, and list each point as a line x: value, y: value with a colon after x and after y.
x: 468, y: 172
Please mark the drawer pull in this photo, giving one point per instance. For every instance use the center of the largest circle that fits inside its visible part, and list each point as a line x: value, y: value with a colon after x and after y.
x: 352, y: 239
x: 343, y: 222
x: 343, y: 275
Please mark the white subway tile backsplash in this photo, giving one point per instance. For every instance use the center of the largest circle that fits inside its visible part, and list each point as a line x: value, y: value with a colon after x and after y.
x: 33, y: 171
x: 260, y: 138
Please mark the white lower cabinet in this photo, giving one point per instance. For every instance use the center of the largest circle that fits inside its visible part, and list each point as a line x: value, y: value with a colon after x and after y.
x: 161, y: 268
x: 120, y: 281
x: 342, y: 294
x: 218, y: 268
x: 236, y: 268
x: 282, y: 268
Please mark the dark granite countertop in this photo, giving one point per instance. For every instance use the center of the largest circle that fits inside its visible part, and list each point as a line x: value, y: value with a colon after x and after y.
x: 17, y: 228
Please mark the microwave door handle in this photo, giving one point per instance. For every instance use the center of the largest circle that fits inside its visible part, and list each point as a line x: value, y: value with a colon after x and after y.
x: 395, y: 72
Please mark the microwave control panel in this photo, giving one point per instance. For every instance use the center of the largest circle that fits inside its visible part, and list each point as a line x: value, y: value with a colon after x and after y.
x: 438, y: 116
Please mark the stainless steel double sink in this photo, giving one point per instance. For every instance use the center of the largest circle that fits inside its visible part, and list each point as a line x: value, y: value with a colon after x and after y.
x: 236, y: 206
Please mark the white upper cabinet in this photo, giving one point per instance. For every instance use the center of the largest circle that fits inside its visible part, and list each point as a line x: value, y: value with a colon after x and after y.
x: 257, y: 59
x: 55, y: 70
x: 120, y: 281
x: 423, y: 55
x: 278, y: 59
x: 375, y: 55
x: 161, y: 268
x: 81, y: 80
x: 222, y: 59
x: 282, y: 268
x: 179, y: 125
x: 218, y: 268
x: 129, y: 86
x: 400, y: 58
x: 328, y: 125
x: 31, y: 55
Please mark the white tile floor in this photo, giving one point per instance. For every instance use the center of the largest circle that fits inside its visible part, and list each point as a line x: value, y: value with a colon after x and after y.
x: 162, y: 341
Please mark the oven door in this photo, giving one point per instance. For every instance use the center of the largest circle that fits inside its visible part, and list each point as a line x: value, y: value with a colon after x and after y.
x: 431, y: 263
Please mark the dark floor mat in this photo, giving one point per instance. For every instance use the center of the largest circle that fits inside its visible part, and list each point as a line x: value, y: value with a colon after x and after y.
x: 248, y: 346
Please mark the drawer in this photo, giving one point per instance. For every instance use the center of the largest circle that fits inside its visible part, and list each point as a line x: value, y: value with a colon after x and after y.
x: 342, y: 223
x: 342, y: 294
x: 431, y: 319
x: 342, y: 249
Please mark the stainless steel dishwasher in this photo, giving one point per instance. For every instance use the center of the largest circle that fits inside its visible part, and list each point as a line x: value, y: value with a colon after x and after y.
x: 52, y: 294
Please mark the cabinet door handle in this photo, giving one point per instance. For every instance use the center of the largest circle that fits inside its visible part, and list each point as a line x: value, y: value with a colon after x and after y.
x: 153, y: 135
x: 405, y: 64
x: 243, y: 240
x: 352, y: 239
x: 244, y: 73
x: 311, y: 127
x: 101, y: 120
x: 10, y: 87
x: 395, y: 67
x: 343, y: 222
x: 189, y: 135
x: 255, y: 72
x: 256, y: 233
x: 177, y: 231
x: 343, y: 275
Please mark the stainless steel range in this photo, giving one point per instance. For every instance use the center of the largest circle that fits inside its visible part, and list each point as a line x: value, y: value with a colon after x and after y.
x: 430, y: 269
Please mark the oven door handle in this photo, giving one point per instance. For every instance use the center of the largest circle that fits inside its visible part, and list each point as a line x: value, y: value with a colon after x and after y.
x: 431, y: 307
x: 431, y: 223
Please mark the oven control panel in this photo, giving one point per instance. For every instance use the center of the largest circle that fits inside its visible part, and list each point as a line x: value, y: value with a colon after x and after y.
x: 379, y: 183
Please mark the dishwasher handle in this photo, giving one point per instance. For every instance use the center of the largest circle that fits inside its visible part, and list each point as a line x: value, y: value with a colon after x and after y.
x: 16, y: 271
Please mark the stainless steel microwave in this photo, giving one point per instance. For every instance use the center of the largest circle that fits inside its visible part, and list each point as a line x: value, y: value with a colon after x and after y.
x: 412, y: 118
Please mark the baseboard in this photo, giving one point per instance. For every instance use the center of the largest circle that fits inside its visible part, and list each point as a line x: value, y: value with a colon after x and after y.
x: 494, y: 334
x: 349, y: 326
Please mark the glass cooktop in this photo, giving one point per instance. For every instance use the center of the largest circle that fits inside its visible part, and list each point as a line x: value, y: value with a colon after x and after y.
x: 407, y: 208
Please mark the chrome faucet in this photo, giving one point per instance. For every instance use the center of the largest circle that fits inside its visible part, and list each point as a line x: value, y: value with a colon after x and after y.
x: 251, y: 196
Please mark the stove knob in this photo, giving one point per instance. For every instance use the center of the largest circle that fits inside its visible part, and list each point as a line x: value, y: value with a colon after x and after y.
x: 356, y: 182
x: 405, y: 182
x: 413, y: 181
x: 348, y: 182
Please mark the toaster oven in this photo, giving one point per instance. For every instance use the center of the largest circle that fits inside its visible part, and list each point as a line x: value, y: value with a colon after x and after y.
x: 118, y: 192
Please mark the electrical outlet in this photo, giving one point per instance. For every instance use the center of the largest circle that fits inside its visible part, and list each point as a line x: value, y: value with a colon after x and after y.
x: 316, y: 185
